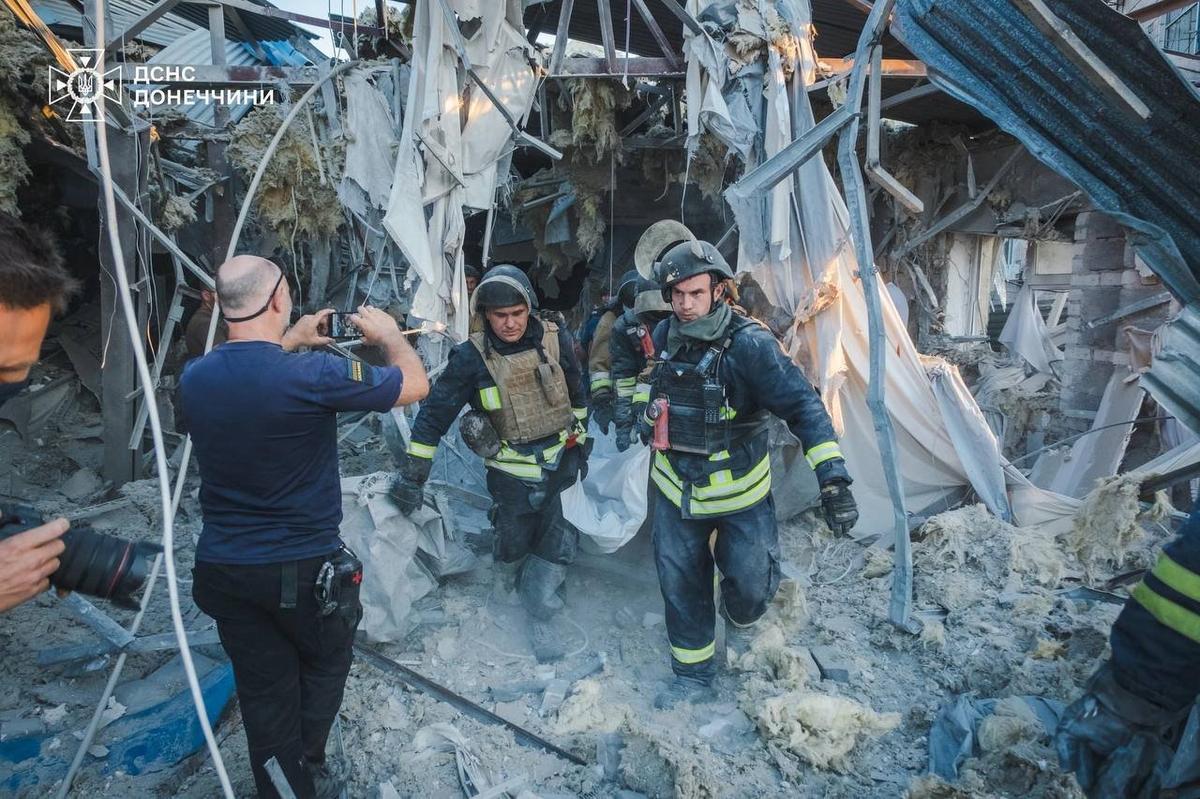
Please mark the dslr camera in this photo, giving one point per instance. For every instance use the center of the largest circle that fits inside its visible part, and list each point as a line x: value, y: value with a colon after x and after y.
x: 93, y: 563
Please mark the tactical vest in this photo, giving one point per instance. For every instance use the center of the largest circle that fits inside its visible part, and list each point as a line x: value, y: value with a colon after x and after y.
x: 532, y: 400
x: 699, y: 417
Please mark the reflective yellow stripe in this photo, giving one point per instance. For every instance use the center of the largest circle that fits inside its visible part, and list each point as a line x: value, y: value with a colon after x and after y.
x: 626, y: 386
x: 642, y: 393
x: 668, y: 489
x: 527, y: 467
x: 510, y: 455
x: 489, y: 398
x: 718, y: 478
x: 664, y: 465
x: 694, y: 655
x: 1177, y: 577
x: 519, y: 470
x: 722, y: 484
x: 733, y: 504
x: 728, y: 413
x: 601, y: 380
x: 723, y: 455
x: 580, y: 413
x: 821, y: 453
x: 420, y: 450
x: 1179, y: 619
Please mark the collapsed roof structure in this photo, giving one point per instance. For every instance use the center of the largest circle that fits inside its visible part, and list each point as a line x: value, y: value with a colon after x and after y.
x: 974, y: 224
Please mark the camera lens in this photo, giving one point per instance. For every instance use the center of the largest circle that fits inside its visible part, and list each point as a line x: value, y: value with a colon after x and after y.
x: 103, y: 566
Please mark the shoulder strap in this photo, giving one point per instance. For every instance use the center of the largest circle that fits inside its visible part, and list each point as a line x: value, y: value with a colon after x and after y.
x: 478, y: 340
x: 550, y: 341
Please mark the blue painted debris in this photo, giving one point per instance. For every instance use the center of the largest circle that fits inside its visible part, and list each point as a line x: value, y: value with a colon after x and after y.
x: 144, y: 742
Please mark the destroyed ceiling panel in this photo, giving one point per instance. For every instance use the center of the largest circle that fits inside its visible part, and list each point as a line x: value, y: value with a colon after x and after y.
x: 64, y: 14
x: 1139, y: 170
x: 264, y: 29
x: 837, y: 22
x: 196, y: 48
x: 182, y: 19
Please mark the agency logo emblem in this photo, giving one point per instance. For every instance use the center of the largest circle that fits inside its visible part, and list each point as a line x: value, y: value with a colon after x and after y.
x: 82, y: 87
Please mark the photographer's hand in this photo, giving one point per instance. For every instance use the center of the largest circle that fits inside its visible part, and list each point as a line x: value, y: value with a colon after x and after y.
x: 309, y: 331
x: 27, y: 560
x: 380, y: 329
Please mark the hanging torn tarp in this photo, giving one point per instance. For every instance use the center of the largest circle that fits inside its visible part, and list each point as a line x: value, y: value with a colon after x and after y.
x: 808, y: 268
x: 449, y: 157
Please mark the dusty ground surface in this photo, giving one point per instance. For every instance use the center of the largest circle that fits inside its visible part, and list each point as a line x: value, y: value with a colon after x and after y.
x: 997, y: 624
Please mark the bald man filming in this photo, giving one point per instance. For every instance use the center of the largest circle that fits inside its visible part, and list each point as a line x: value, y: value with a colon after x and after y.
x: 270, y: 567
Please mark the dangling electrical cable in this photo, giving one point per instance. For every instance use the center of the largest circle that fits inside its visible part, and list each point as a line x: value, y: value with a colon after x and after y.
x: 160, y: 452
x: 612, y: 204
x: 628, y: 13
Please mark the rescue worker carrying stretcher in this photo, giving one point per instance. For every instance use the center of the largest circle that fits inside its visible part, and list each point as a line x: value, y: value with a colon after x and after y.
x: 599, y: 357
x: 524, y: 384
x: 718, y: 375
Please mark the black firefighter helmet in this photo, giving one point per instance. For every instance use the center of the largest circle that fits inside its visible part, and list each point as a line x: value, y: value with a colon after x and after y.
x: 688, y: 259
x: 502, y: 286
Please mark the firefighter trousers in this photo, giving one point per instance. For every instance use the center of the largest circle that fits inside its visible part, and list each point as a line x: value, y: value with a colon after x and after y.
x: 530, y: 529
x: 746, y: 553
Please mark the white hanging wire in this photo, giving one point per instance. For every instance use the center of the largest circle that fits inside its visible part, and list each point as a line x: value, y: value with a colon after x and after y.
x: 160, y: 453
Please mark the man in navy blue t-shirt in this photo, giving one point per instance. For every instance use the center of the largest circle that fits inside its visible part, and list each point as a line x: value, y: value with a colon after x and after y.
x: 263, y: 421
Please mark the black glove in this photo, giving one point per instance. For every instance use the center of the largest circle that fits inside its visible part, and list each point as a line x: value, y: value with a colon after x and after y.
x: 645, y: 428
x: 624, y: 434
x: 1113, y: 740
x: 584, y: 454
x: 408, y: 488
x: 408, y: 495
x: 841, y: 511
x: 602, y: 412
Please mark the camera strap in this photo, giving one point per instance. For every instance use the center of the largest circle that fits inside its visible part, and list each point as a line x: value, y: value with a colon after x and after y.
x: 288, y: 585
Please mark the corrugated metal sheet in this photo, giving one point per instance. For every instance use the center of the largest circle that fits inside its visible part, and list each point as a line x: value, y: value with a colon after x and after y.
x: 184, y: 18
x: 1142, y: 172
x: 124, y: 12
x: 265, y: 29
x: 195, y: 48
x: 1174, y: 377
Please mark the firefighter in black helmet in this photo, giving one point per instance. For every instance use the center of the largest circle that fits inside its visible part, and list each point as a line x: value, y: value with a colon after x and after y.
x: 718, y: 375
x: 600, y: 355
x: 521, y: 377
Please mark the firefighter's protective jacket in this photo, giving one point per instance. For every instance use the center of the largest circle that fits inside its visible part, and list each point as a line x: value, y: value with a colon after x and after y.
x: 1156, y: 639
x: 756, y: 376
x: 467, y: 380
x: 630, y: 367
x: 599, y: 358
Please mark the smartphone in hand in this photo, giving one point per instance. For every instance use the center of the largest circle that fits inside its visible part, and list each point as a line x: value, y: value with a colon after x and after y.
x: 340, y: 327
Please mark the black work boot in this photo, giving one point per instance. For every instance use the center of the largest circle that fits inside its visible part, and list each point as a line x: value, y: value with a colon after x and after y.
x: 538, y: 586
x: 504, y: 582
x: 737, y: 636
x: 546, y: 642
x: 684, y: 689
x: 328, y: 777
